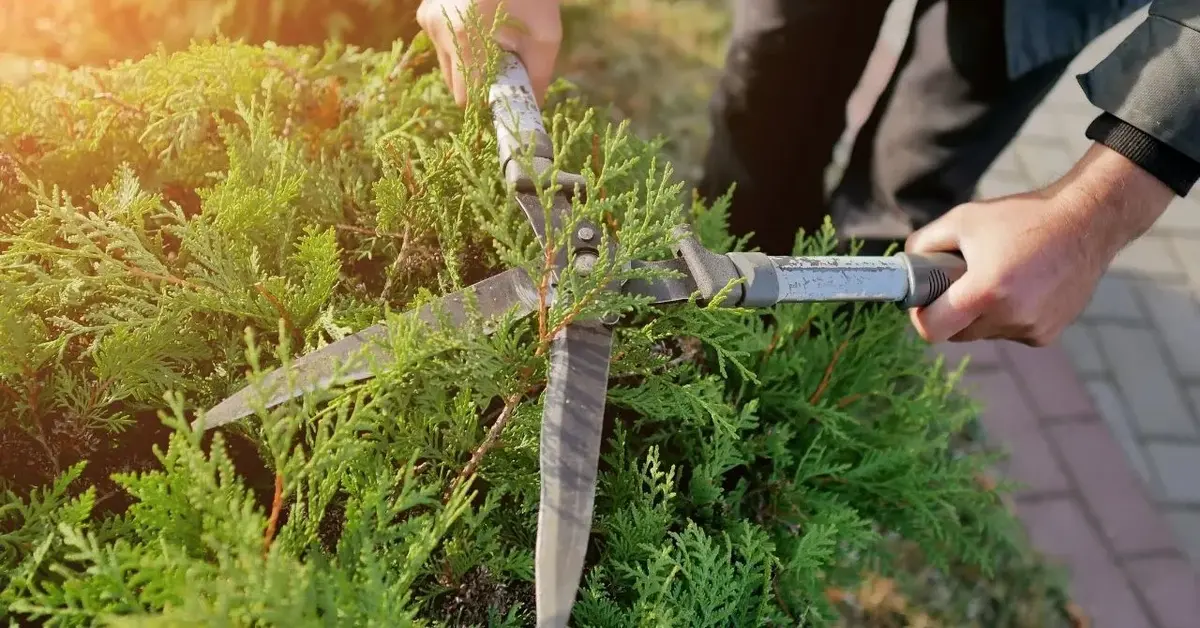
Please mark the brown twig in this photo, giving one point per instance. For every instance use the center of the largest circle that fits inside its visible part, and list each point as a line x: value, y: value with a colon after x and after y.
x: 849, y: 399
x: 113, y: 98
x: 401, y: 257
x: 273, y: 521
x: 543, y: 292
x: 34, y: 389
x: 283, y: 313
x: 493, y: 436
x: 365, y: 231
x: 171, y: 279
x: 779, y: 598
x: 4, y: 387
x: 777, y: 337
x: 837, y: 353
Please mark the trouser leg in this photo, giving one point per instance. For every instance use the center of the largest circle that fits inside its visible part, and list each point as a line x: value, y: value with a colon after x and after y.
x: 780, y: 108
x: 945, y: 115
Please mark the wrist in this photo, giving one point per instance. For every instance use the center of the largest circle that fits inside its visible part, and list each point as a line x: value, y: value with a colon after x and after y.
x: 1115, y: 200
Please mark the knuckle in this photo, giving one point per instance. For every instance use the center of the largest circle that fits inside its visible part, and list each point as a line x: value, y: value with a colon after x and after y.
x: 1043, y: 336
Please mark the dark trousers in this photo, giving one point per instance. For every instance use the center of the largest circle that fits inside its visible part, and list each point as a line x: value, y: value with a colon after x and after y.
x: 947, y: 112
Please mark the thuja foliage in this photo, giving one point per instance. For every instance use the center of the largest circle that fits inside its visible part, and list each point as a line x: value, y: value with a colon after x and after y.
x: 174, y: 226
x: 97, y: 32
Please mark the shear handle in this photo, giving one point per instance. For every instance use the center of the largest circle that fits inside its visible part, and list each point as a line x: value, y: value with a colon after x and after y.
x: 518, y: 119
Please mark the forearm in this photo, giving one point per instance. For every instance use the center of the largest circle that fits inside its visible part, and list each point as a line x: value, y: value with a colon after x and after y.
x: 1114, y: 198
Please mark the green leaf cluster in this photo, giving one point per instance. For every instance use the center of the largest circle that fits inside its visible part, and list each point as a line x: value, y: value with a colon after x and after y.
x: 176, y: 225
x: 95, y: 32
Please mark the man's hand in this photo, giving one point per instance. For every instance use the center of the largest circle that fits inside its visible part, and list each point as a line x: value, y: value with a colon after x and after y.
x: 1034, y: 259
x: 532, y: 31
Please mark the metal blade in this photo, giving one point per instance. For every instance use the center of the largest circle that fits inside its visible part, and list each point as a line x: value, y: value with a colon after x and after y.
x: 352, y: 358
x: 570, y: 454
x: 664, y: 290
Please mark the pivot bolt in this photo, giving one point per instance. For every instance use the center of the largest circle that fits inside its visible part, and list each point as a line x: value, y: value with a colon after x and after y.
x: 587, y: 234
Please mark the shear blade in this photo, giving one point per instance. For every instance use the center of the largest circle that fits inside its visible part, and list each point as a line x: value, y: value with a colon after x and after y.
x: 572, y: 420
x: 352, y: 358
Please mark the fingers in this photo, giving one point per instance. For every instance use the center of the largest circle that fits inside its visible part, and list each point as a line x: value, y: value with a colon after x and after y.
x: 437, y: 26
x: 961, y: 304
x: 939, y: 236
x: 538, y: 58
x: 950, y: 316
x: 535, y: 41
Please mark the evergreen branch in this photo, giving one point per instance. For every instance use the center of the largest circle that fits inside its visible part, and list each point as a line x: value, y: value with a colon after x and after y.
x: 171, y: 279
x: 777, y: 337
x: 493, y: 437
x: 273, y: 520
x: 293, y: 331
x: 368, y: 232
x: 816, y: 396
x: 401, y: 258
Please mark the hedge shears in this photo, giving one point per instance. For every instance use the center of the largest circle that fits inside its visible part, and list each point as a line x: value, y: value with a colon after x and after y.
x: 580, y: 352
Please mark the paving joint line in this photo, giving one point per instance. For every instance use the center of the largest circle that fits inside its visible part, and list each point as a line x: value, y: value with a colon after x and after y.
x: 1075, y: 493
x: 1164, y: 350
x: 1129, y: 418
x: 1075, y: 418
x: 1095, y: 520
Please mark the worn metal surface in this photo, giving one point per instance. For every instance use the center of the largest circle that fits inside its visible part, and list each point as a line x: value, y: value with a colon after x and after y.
x: 572, y: 422
x: 841, y: 279
x: 355, y: 357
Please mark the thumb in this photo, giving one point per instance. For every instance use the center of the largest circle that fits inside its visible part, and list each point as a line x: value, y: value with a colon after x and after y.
x: 939, y: 236
x: 539, y: 58
x: 959, y: 306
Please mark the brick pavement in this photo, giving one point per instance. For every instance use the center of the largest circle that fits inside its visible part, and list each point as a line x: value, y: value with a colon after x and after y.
x: 1103, y: 429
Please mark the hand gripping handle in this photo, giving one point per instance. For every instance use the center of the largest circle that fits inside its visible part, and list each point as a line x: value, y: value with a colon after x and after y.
x: 930, y: 275
x: 517, y: 117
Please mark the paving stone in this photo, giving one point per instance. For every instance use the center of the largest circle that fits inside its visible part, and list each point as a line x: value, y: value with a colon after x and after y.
x: 1112, y: 411
x: 1183, y: 214
x: 1187, y: 251
x: 1000, y: 184
x: 1114, y: 299
x: 982, y: 354
x: 1010, y: 423
x: 1059, y: 529
x: 1043, y: 163
x: 1153, y: 400
x: 1193, y: 393
x: 1174, y: 311
x: 1046, y: 127
x: 1049, y: 377
x: 1109, y: 488
x: 1170, y: 586
x: 1149, y: 254
x: 1186, y: 526
x: 1067, y: 97
x: 1006, y: 163
x: 1177, y: 466
x: 1079, y: 342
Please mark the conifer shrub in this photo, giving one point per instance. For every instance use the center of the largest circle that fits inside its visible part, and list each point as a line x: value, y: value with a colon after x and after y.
x: 176, y: 225
x: 98, y: 32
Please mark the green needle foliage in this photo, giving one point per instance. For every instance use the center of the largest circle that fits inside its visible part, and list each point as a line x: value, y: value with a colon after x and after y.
x: 175, y: 226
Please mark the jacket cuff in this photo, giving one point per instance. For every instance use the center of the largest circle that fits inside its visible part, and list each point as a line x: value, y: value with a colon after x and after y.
x: 1175, y: 169
x: 1151, y: 78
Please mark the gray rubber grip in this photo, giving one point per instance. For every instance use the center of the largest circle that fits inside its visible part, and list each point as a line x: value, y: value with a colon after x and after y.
x: 517, y: 117
x: 930, y: 275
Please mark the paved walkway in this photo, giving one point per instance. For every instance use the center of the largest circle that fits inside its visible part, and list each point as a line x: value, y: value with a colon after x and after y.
x: 1104, y: 428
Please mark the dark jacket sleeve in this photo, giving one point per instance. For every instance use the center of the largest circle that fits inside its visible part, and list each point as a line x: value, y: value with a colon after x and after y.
x: 1151, y: 81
